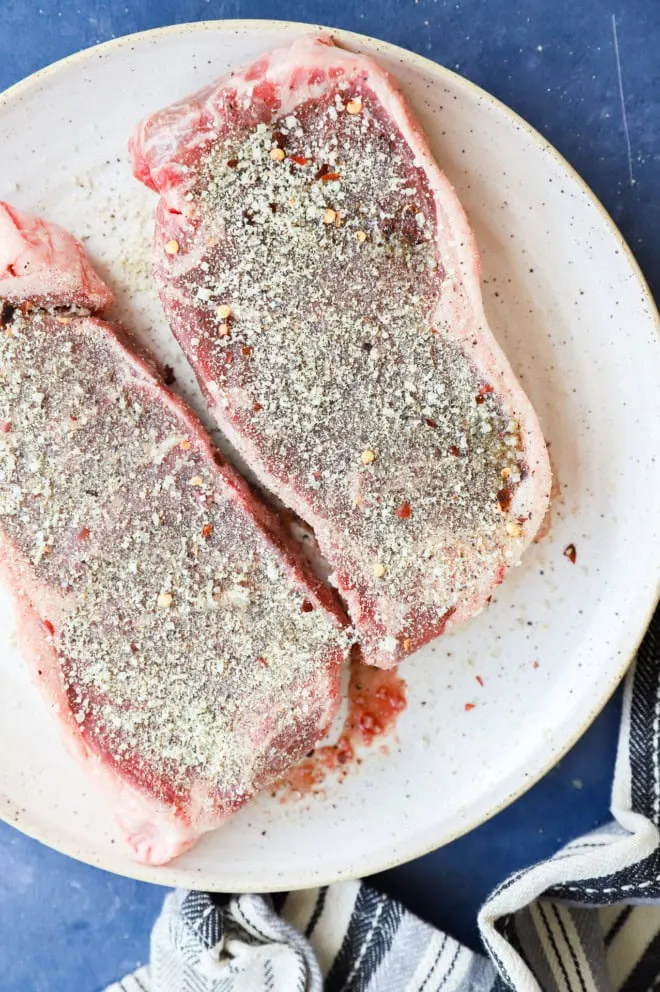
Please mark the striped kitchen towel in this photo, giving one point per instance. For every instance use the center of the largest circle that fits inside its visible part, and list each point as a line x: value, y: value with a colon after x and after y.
x: 587, y: 920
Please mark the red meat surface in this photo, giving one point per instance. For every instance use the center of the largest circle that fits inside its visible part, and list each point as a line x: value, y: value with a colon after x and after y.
x: 320, y: 274
x: 189, y: 654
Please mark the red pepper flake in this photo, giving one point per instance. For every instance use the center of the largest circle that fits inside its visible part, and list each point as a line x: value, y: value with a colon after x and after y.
x: 430, y: 423
x: 48, y: 627
x: 232, y: 163
x: 453, y: 450
x: 329, y: 176
x: 535, y: 664
x: 83, y: 533
x: 469, y: 706
x: 404, y: 511
x: 323, y: 171
x: 207, y: 530
x: 306, y: 606
x: 6, y: 427
x: 504, y: 500
x: 246, y: 350
x: 298, y: 159
x: 479, y: 400
x: 570, y: 553
x: 262, y: 661
x: 479, y: 680
x: 485, y: 389
x: 256, y: 407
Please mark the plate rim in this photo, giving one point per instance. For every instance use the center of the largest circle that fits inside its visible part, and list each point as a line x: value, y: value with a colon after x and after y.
x: 184, y: 877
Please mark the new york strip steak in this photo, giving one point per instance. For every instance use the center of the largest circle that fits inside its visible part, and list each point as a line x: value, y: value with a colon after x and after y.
x: 321, y: 276
x: 189, y: 654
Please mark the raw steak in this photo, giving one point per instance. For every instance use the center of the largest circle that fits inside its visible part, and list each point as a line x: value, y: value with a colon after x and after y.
x: 190, y: 656
x: 320, y: 274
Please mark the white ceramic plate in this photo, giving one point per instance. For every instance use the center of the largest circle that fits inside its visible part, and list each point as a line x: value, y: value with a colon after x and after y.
x: 567, y: 303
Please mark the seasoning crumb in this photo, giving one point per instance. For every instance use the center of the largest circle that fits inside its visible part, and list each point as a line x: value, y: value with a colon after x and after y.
x: 368, y: 456
x: 277, y: 154
x: 172, y: 247
x: 379, y: 571
x: 224, y: 311
x: 513, y: 529
x: 361, y: 236
x: 164, y: 600
x: 354, y: 106
x: 329, y: 216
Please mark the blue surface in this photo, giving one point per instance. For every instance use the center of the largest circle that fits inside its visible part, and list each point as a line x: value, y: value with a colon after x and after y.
x: 65, y: 927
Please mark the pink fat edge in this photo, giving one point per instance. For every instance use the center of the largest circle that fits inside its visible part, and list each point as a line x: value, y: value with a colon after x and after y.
x: 41, y: 261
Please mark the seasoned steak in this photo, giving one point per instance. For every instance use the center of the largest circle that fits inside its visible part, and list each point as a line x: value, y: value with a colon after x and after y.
x: 321, y: 276
x: 189, y: 654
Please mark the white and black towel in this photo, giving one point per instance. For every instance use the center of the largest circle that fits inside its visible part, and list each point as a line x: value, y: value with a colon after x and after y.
x: 588, y: 919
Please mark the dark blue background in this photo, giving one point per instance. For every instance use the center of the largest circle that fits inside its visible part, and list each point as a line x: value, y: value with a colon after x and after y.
x: 65, y: 927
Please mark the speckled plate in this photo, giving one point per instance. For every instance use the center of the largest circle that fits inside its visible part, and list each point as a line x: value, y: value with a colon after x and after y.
x: 567, y: 303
